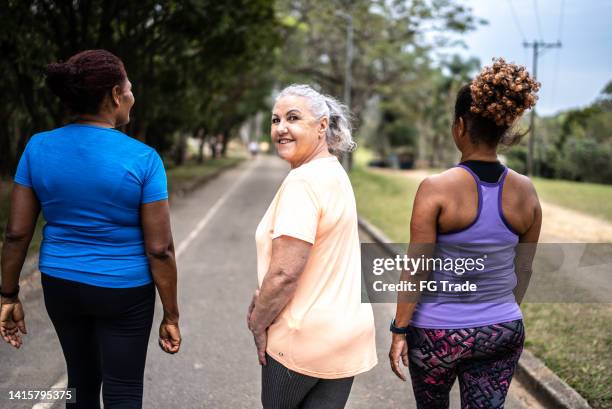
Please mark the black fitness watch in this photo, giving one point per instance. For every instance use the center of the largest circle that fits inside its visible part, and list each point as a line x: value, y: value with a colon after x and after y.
x: 398, y: 330
x: 11, y: 294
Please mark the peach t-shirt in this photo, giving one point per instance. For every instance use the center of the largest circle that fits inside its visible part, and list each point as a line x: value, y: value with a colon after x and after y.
x: 325, y: 331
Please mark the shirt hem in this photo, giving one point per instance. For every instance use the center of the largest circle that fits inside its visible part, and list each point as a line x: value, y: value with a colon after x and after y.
x: 22, y: 182
x: 471, y: 324
x: 96, y: 283
x: 324, y: 375
x: 155, y: 198
x: 298, y: 236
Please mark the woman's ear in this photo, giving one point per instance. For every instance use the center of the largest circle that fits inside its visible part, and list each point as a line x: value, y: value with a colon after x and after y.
x: 323, y: 125
x: 116, y: 95
x: 459, y: 128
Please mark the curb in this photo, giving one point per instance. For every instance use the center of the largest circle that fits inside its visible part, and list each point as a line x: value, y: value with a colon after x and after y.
x: 544, y: 384
x: 531, y: 371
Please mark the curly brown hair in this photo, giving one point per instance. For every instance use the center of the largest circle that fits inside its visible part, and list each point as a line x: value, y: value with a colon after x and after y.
x: 495, y: 100
x: 503, y: 91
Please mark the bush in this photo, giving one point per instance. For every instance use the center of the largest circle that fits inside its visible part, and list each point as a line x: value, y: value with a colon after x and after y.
x: 586, y: 160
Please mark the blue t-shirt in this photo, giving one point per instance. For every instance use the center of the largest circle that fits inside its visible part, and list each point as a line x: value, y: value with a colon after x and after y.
x: 90, y: 182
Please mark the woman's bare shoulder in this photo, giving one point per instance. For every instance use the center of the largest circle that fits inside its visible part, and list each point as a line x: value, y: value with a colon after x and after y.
x: 520, y: 183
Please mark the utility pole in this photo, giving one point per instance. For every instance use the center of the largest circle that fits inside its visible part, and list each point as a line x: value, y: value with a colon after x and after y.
x: 538, y: 49
x: 348, y: 75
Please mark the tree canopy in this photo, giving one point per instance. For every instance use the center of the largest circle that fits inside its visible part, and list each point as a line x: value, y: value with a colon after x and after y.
x: 187, y: 60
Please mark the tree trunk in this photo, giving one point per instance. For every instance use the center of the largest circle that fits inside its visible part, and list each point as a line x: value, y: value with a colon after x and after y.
x: 212, y: 142
x: 224, y: 141
x: 202, y: 139
x: 181, y: 148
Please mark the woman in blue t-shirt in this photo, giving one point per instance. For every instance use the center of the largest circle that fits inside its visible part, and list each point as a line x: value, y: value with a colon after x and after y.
x: 107, y: 241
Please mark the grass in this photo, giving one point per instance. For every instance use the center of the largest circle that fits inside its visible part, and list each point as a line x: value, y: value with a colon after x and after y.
x: 589, y: 198
x: 574, y: 340
x: 385, y: 201
x: 180, y: 175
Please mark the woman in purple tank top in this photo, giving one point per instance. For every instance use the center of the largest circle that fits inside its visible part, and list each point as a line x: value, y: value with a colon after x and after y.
x: 475, y: 208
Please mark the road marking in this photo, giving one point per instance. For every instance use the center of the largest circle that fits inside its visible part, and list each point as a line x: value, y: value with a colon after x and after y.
x: 62, y: 382
x: 211, y: 212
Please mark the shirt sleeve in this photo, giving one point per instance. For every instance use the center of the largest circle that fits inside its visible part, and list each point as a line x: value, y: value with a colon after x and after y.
x: 155, y: 185
x: 23, y: 175
x: 297, y: 212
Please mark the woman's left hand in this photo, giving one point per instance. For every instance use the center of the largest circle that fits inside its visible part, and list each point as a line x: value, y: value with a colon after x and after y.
x: 260, y: 336
x: 261, y: 342
x: 399, y: 348
x: 252, y: 307
x: 12, y: 321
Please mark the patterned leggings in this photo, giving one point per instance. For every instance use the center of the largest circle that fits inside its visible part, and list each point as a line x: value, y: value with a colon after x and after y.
x: 484, y: 359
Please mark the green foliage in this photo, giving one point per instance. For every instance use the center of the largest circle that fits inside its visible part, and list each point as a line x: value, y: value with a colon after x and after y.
x: 574, y: 341
x: 385, y: 200
x: 574, y: 145
x: 197, y: 66
x: 398, y: 95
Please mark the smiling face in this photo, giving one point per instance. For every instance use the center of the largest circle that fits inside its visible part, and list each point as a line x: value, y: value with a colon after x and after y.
x: 297, y: 134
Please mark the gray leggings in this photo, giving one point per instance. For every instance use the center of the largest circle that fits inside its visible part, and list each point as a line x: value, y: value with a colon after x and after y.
x: 283, y: 388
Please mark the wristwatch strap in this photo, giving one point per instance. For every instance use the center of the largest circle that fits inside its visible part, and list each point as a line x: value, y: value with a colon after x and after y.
x: 398, y: 330
x: 11, y: 294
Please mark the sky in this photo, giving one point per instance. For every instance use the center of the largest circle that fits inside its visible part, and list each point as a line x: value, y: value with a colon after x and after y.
x: 572, y: 76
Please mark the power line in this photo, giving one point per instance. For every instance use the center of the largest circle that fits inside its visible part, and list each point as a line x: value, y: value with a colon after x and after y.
x: 516, y: 20
x: 561, y: 20
x: 558, y: 52
x: 538, y: 48
x: 537, y: 16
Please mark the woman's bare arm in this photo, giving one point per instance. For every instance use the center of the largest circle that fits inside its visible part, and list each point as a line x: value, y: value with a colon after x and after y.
x: 526, y: 250
x: 289, y: 257
x: 423, y: 233
x: 25, y: 208
x: 159, y: 248
x: 423, y: 223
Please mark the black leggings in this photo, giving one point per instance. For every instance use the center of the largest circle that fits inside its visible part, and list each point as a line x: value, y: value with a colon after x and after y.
x: 282, y: 388
x: 104, y: 333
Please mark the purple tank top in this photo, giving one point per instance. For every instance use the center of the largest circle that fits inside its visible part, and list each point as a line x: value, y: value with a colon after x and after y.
x: 489, y: 233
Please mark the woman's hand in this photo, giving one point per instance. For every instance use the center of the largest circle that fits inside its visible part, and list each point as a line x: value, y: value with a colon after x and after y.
x: 259, y: 335
x: 399, y: 348
x: 169, y: 336
x: 251, y: 308
x: 12, y: 321
x: 261, y: 342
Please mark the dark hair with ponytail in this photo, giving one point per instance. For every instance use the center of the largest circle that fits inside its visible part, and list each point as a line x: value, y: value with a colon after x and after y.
x: 85, y: 79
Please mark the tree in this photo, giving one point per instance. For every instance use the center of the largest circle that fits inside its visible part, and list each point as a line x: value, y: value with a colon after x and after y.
x: 392, y: 60
x: 178, y: 54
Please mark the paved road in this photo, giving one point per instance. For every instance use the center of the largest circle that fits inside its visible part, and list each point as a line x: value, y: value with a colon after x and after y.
x: 217, y: 366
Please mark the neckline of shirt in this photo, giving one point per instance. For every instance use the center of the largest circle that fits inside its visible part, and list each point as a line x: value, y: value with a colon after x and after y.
x: 328, y: 158
x: 102, y: 128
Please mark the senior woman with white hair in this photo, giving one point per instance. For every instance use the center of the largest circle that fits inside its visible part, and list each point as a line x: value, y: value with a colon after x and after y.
x: 312, y: 333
